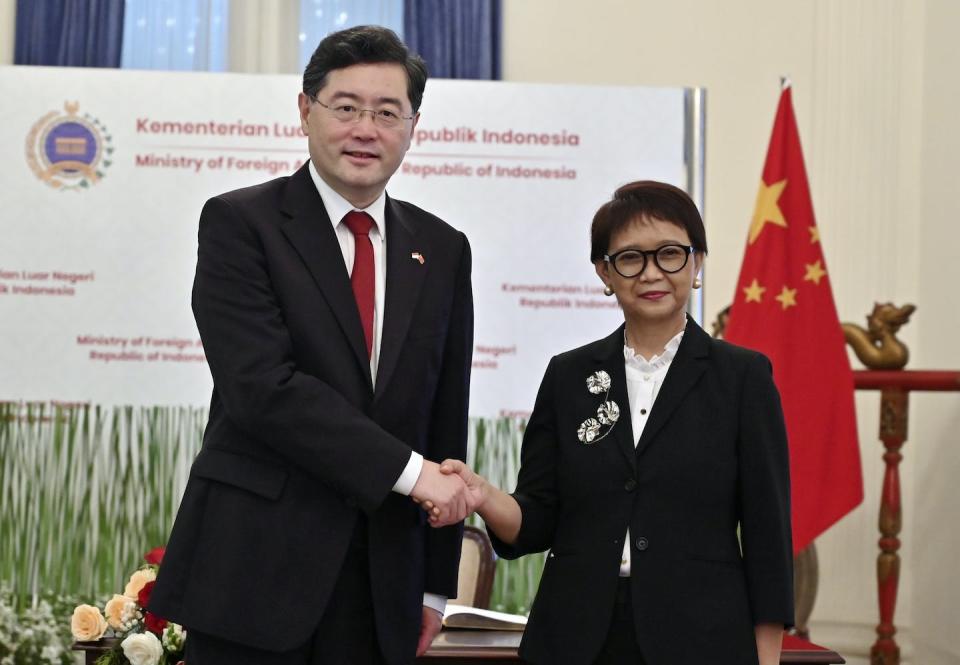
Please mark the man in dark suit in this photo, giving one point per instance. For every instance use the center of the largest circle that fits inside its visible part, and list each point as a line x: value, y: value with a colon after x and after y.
x: 338, y: 326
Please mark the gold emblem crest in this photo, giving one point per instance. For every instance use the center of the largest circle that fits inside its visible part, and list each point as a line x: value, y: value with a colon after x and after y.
x: 67, y: 150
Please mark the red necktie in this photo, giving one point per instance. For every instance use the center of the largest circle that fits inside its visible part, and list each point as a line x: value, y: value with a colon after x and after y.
x: 362, y: 278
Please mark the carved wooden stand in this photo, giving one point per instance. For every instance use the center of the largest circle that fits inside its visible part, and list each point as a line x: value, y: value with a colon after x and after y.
x: 877, y: 347
x: 895, y: 387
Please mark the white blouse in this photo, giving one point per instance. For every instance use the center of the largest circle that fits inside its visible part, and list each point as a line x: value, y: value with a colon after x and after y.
x: 644, y: 378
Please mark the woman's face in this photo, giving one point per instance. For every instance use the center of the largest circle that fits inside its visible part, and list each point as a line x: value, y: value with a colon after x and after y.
x: 653, y: 296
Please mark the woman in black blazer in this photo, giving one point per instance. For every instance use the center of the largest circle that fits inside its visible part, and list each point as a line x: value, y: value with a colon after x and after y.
x: 654, y: 468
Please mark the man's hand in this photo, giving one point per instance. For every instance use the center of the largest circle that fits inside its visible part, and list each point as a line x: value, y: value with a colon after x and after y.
x: 444, y: 496
x: 478, y: 490
x: 430, y: 626
x: 477, y: 485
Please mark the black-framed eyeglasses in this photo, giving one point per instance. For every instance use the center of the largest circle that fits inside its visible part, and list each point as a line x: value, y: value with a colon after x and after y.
x: 383, y: 117
x: 668, y: 258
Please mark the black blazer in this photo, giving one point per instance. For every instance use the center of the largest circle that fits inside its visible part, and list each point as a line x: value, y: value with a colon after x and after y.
x: 712, y: 457
x: 299, y: 442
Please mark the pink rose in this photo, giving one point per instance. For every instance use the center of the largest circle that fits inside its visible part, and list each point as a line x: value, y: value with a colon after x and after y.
x: 114, y: 610
x: 87, y: 624
x: 137, y: 582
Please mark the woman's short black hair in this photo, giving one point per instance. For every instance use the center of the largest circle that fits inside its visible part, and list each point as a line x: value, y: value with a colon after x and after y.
x: 645, y: 199
x: 364, y: 44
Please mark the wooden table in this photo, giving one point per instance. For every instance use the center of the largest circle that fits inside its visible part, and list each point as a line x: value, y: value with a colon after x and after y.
x: 495, y: 647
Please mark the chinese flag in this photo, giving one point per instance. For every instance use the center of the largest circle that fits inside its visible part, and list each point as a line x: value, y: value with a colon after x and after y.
x: 784, y: 308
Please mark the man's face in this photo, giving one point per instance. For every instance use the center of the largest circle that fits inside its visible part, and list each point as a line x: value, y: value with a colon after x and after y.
x: 356, y: 158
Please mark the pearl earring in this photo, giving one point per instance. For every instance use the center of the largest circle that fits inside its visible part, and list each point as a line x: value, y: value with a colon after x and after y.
x: 608, y: 291
x: 697, y: 283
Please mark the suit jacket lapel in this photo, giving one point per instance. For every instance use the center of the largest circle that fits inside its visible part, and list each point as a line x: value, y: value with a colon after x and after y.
x: 610, y: 358
x: 685, y: 370
x: 405, y: 277
x: 309, y: 230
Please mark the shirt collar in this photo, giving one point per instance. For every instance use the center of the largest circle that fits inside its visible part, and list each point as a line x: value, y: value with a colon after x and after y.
x: 634, y: 359
x: 337, y: 206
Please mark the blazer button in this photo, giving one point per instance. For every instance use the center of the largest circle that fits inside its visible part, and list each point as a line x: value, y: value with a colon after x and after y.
x: 642, y: 543
x: 351, y: 502
x: 630, y: 485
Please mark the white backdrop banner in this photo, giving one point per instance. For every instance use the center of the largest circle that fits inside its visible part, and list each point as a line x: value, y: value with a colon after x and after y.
x: 107, y: 171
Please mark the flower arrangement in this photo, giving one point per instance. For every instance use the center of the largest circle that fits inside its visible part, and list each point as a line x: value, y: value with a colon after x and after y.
x: 141, y: 637
x: 34, y: 633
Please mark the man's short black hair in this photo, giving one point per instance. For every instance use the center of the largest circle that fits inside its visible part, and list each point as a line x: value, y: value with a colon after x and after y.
x: 364, y: 44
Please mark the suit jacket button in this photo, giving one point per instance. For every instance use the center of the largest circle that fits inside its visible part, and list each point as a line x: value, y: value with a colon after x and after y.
x: 642, y: 543
x: 351, y: 502
x: 630, y: 485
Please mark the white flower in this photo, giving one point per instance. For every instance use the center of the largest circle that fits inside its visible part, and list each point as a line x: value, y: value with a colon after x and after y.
x: 588, y: 430
x: 51, y: 653
x: 173, y: 637
x: 142, y: 649
x: 608, y: 413
x: 598, y: 382
x: 129, y: 614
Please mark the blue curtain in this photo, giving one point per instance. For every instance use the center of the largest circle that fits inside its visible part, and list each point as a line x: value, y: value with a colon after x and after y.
x: 318, y: 18
x: 459, y: 39
x: 185, y: 35
x: 69, y: 33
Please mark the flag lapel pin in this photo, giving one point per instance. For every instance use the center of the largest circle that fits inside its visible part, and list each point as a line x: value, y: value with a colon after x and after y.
x: 417, y: 256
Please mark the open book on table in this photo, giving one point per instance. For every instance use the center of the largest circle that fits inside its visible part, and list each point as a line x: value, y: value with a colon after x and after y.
x: 463, y: 616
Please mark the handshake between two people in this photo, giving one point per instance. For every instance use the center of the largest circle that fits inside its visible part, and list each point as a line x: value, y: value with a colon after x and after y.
x: 449, y: 492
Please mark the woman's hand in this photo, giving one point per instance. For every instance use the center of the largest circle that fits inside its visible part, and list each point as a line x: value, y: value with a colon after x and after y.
x: 499, y: 510
x: 477, y: 487
x: 769, y: 638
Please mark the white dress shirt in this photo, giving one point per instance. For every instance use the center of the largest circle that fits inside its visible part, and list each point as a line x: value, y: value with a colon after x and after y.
x: 337, y: 207
x: 644, y: 378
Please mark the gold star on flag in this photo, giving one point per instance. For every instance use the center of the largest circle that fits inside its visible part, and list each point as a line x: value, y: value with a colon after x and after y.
x: 787, y: 297
x: 814, y: 234
x: 767, y: 209
x: 754, y: 292
x: 815, y: 272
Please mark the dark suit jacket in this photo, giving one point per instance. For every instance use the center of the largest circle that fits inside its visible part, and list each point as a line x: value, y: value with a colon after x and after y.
x: 299, y: 443
x: 712, y: 457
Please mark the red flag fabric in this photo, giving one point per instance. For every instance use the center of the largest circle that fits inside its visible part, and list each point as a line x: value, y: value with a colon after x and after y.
x: 784, y: 308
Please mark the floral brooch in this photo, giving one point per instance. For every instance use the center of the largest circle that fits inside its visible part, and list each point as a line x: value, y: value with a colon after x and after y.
x: 592, y: 430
